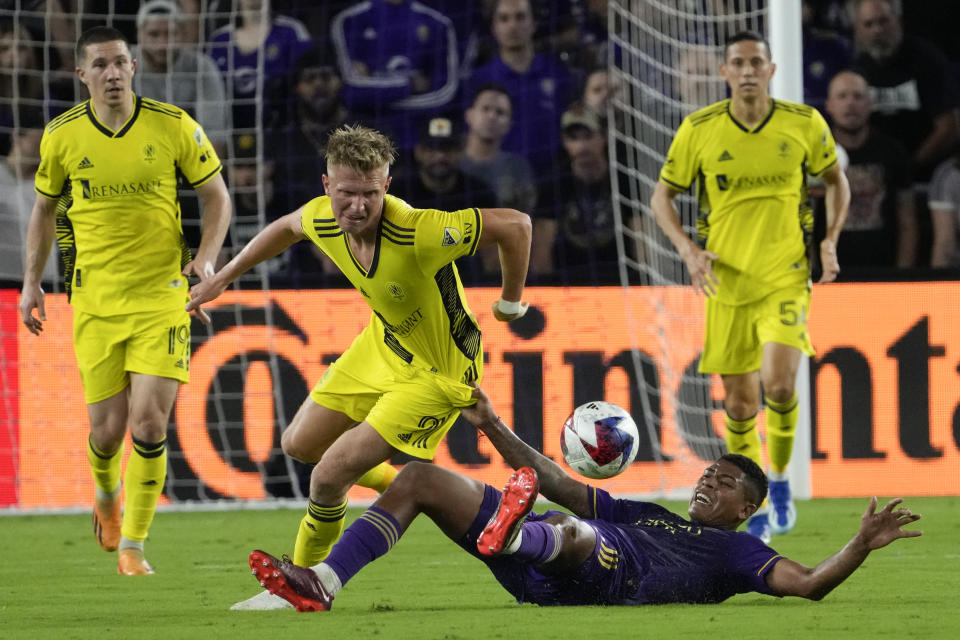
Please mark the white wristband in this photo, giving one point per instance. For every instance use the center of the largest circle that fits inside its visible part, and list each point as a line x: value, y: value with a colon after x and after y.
x: 508, y: 308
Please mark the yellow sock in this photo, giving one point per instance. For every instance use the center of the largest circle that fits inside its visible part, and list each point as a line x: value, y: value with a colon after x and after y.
x: 742, y: 438
x: 106, y: 468
x: 378, y: 478
x: 319, y: 530
x: 781, y: 428
x: 146, y: 472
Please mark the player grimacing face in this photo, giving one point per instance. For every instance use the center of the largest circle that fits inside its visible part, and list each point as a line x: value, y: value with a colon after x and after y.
x: 107, y: 70
x: 356, y: 198
x: 719, y: 498
x: 747, y: 70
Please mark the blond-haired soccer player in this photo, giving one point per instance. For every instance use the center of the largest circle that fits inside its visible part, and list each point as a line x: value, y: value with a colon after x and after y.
x: 750, y: 155
x: 401, y: 384
x: 112, y: 163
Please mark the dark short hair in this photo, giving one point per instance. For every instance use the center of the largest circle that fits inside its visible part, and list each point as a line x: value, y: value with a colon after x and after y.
x: 96, y: 35
x: 496, y: 87
x: 755, y: 480
x: 746, y: 36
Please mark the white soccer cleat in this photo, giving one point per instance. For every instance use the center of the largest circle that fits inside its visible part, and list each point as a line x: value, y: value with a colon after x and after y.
x: 263, y: 601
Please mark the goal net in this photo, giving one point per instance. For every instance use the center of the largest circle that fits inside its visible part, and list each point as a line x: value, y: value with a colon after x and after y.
x: 663, y: 57
x: 267, y: 346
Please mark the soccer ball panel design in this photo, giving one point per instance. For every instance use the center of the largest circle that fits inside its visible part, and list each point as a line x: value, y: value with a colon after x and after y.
x: 599, y: 440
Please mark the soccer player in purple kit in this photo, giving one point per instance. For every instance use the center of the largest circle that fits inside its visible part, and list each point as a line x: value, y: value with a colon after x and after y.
x: 609, y: 552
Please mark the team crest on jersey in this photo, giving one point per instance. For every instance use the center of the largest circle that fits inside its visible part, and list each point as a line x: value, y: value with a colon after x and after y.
x: 784, y: 150
x: 451, y: 237
x: 149, y: 153
x: 272, y: 52
x: 423, y: 33
x: 547, y: 86
x: 396, y: 291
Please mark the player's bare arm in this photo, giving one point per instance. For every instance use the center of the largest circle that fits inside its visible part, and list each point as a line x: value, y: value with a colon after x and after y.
x: 837, y: 201
x: 555, y: 484
x: 877, y: 530
x: 511, y: 231
x: 216, y: 222
x: 699, y: 261
x: 41, y: 232
x: 272, y: 240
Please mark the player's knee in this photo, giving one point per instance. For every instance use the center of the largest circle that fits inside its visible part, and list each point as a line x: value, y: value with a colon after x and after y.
x: 577, y: 541
x: 740, y: 407
x: 148, y: 426
x: 293, y: 447
x: 414, y: 477
x: 779, y: 390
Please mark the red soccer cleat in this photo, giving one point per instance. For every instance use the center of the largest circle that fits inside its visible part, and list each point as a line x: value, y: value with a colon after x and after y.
x: 297, y: 585
x: 515, y: 503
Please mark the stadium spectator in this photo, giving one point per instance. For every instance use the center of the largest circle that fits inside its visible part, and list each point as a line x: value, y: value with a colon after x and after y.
x: 750, y: 155
x: 399, y: 64
x: 315, y: 109
x: 575, y: 238
x: 250, y: 179
x: 597, y: 91
x: 437, y: 180
x: 20, y: 78
x: 914, y: 89
x: 508, y: 175
x: 606, y: 551
x: 539, y: 85
x: 944, y: 203
x: 236, y: 48
x: 17, y: 171
x: 400, y: 385
x: 170, y: 71
x: 881, y: 225
x: 43, y: 17
x: 825, y: 54
x: 118, y: 155
x: 439, y: 183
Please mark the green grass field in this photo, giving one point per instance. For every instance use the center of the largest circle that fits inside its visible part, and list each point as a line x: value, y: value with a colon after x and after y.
x: 56, y: 583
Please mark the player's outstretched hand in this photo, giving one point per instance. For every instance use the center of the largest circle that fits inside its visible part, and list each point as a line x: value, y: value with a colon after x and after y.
x: 883, y: 527
x: 700, y: 265
x: 506, y: 311
x: 203, y: 291
x: 30, y: 299
x: 828, y: 260
x: 482, y: 412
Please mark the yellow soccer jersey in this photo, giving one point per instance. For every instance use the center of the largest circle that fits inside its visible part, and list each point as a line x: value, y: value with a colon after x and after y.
x: 125, y: 242
x: 412, y: 285
x: 752, y: 192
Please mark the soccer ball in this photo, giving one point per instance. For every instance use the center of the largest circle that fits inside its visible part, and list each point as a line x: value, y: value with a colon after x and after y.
x: 599, y: 440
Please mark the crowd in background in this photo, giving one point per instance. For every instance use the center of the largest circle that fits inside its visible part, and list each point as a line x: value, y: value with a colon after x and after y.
x: 493, y: 103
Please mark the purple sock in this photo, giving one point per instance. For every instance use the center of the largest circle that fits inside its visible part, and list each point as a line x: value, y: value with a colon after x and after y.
x: 540, y: 543
x: 369, y: 537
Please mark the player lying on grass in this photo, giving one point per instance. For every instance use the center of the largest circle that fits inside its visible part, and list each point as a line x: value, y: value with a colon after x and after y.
x: 610, y: 552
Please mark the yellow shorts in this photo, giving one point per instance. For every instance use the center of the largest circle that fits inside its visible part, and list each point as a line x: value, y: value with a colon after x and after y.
x: 108, y: 348
x: 412, y: 408
x: 734, y: 335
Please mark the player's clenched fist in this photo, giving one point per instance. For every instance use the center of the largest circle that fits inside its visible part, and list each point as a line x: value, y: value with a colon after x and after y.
x: 506, y: 311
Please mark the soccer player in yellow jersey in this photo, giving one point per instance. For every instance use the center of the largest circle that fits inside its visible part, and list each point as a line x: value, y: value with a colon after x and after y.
x: 749, y: 156
x: 401, y: 384
x: 113, y: 160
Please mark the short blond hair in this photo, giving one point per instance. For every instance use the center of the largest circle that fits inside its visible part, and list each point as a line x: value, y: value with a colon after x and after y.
x: 360, y: 148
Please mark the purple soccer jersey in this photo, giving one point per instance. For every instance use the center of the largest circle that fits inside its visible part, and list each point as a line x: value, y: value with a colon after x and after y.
x: 645, y: 554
